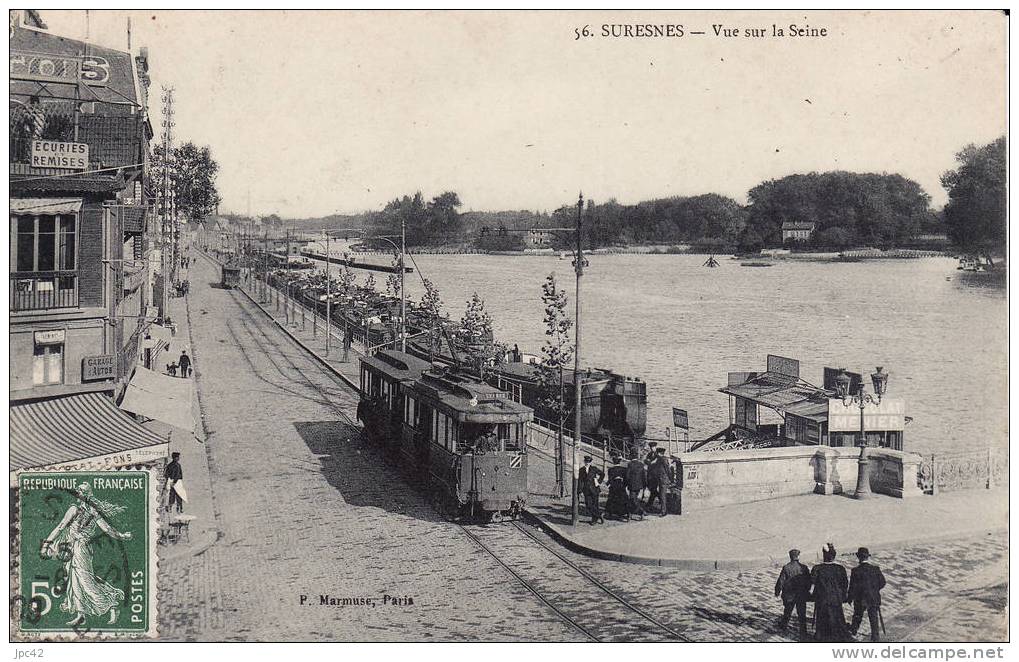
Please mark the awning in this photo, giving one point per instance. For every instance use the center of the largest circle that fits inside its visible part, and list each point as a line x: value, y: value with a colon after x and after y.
x: 159, y: 332
x: 79, y: 432
x: 163, y: 398
x: 41, y: 206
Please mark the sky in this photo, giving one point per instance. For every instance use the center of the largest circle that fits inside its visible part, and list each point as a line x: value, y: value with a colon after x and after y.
x: 317, y: 112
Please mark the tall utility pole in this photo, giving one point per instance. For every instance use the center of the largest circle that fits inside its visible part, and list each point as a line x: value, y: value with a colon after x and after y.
x: 578, y: 387
x: 286, y: 304
x: 329, y: 297
x: 403, y: 291
x: 167, y: 223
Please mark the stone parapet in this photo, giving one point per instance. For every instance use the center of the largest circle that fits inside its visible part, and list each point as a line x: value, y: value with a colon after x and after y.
x: 731, y: 477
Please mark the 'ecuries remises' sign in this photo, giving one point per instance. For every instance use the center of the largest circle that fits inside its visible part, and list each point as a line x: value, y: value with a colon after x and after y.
x: 680, y: 419
x: 51, y: 154
x: 103, y: 366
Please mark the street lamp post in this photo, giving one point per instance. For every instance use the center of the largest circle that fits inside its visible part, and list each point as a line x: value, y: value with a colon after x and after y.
x: 879, y: 379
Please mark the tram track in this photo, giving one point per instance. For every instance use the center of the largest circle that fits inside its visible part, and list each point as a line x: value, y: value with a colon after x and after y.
x: 575, y: 595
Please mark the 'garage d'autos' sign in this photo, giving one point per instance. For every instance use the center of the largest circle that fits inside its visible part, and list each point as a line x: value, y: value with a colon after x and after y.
x: 50, y: 154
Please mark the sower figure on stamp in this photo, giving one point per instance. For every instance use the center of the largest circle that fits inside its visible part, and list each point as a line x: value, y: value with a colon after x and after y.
x: 831, y: 586
x: 174, y: 474
x: 865, y: 586
x: 589, y: 479
x: 793, y: 586
x: 86, y: 593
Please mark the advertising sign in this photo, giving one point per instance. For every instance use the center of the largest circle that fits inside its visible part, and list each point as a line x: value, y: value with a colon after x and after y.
x: 52, y: 68
x: 680, y: 418
x: 94, y: 368
x: 784, y: 366
x: 51, y: 154
x: 49, y: 337
x: 888, y: 416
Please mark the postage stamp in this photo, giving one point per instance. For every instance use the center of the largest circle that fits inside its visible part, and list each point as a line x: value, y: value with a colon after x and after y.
x: 85, y: 561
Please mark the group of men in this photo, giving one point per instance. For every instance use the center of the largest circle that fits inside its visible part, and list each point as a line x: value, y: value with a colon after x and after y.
x: 828, y: 587
x: 655, y: 474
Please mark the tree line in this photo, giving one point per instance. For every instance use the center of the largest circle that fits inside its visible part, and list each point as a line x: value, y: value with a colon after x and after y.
x: 845, y: 209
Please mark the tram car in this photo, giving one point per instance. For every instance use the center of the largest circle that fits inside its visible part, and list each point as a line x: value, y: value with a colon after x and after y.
x: 463, y: 439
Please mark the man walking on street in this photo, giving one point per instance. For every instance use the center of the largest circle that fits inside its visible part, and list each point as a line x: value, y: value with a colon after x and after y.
x: 636, y: 479
x: 174, y: 473
x: 793, y: 586
x: 865, y: 586
x: 590, y: 478
x: 184, y: 363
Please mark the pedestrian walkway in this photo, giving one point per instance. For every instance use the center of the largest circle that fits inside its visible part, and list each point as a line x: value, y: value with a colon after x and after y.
x: 761, y: 533
x: 193, y: 458
x: 308, y: 330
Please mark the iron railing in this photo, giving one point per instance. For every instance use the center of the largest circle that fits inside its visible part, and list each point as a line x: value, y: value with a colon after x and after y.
x: 113, y: 140
x: 40, y: 290
x: 962, y: 470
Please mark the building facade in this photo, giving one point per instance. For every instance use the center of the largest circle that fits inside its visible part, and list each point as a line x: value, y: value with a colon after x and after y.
x: 80, y: 225
x: 797, y: 230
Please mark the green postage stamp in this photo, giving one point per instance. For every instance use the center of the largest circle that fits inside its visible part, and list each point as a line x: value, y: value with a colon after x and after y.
x: 85, y: 564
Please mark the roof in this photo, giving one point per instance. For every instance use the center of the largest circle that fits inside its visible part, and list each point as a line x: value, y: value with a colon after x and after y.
x: 398, y: 365
x: 70, y: 184
x: 798, y: 225
x: 468, y: 398
x: 109, y: 72
x: 783, y: 393
x: 77, y: 428
x: 45, y: 206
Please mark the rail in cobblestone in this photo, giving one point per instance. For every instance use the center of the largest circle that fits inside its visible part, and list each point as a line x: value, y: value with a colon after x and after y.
x: 573, y: 593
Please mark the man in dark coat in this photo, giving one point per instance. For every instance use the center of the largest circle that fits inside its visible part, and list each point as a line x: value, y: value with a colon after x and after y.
x: 865, y: 586
x: 659, y: 480
x: 184, y: 362
x: 793, y: 586
x: 589, y: 479
x: 616, y: 504
x: 831, y: 586
x: 173, y: 474
x: 636, y: 475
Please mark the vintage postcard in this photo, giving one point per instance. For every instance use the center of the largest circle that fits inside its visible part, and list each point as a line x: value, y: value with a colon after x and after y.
x: 510, y: 326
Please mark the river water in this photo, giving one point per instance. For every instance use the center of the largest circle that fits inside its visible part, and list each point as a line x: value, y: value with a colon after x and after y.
x: 942, y: 334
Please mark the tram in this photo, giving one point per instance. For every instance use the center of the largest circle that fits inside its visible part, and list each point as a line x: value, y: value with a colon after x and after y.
x: 463, y: 439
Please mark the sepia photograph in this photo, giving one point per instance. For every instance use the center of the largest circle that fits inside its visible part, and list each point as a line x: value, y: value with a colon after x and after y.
x: 490, y: 326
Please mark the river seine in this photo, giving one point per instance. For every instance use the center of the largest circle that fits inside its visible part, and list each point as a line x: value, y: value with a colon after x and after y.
x: 942, y: 334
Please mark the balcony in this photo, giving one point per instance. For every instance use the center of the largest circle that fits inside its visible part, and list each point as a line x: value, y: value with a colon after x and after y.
x: 114, y: 140
x: 42, y: 290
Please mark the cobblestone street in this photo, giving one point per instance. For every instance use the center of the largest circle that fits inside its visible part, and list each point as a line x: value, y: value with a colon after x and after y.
x: 303, y: 510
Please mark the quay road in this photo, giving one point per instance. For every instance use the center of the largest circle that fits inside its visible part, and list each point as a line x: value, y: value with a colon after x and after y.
x: 303, y: 509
